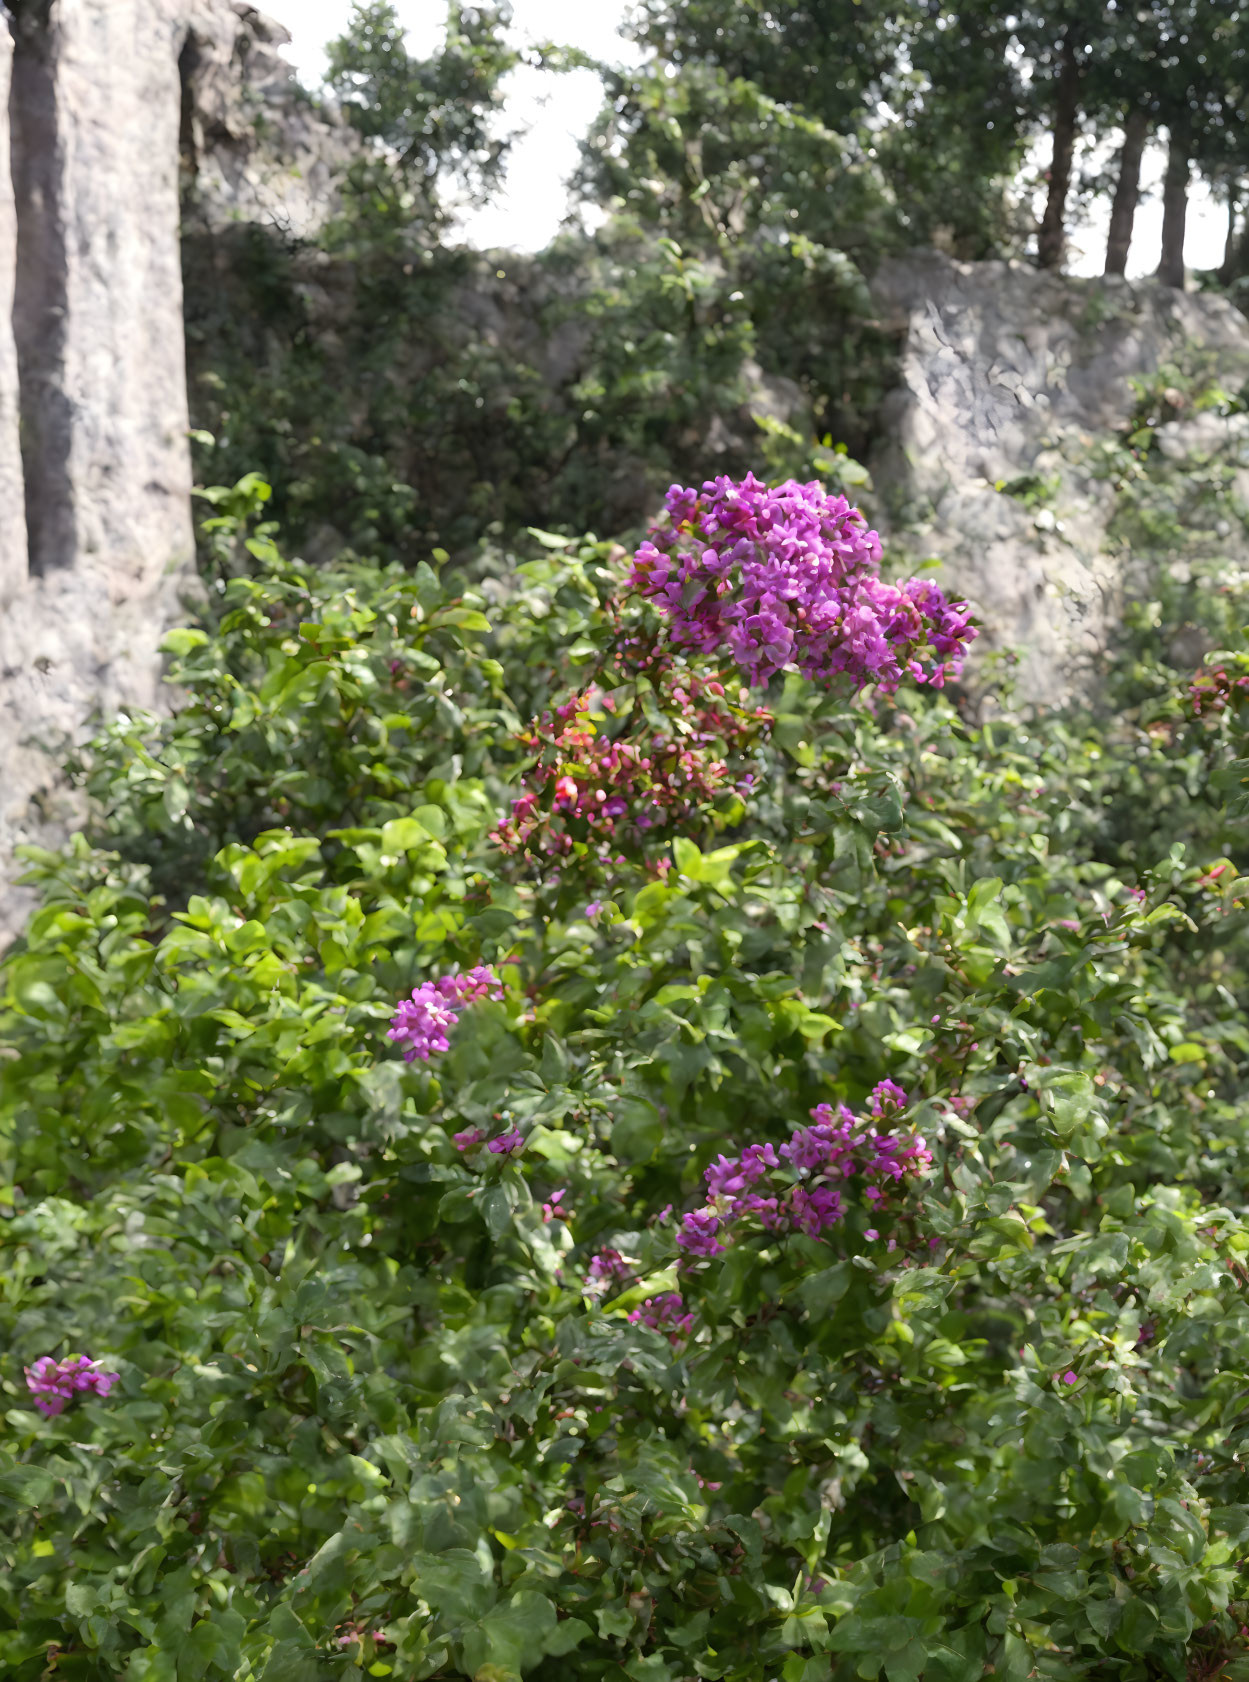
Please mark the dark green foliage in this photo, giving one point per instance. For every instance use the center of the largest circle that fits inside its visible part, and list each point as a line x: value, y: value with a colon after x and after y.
x: 941, y: 148
x: 430, y: 119
x: 402, y: 395
x: 367, y: 1420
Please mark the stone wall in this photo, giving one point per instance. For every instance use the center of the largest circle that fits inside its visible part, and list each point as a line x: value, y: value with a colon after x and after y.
x: 1007, y: 372
x: 91, y: 575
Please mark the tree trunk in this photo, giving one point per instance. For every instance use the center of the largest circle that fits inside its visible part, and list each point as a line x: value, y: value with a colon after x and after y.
x: 1127, y: 192
x: 1174, y: 208
x: 1227, y: 268
x: 1051, y: 241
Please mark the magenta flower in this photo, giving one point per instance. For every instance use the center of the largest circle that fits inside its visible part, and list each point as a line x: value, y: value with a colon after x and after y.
x: 791, y: 575
x: 665, y: 1314
x: 608, y: 1267
x: 730, y: 1176
x: 886, y: 1099
x: 697, y: 1236
x: 421, y: 1024
x: 767, y: 1210
x: 815, y: 1209
x: 468, y: 1138
x: 55, y: 1383
x: 507, y: 1143
x: 801, y: 1186
x: 553, y: 1209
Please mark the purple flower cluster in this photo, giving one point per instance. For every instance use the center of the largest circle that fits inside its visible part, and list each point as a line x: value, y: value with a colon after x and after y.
x: 666, y: 1314
x: 800, y: 1187
x: 421, y: 1023
x: 607, y: 1268
x: 507, y: 1144
x: 791, y: 576
x: 54, y: 1384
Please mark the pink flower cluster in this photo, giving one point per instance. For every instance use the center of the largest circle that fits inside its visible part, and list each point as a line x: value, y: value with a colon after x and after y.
x: 607, y: 1268
x: 666, y: 1314
x: 593, y: 784
x: 421, y: 1023
x: 54, y: 1384
x: 507, y: 1144
x: 791, y: 575
x: 801, y: 1186
x: 1212, y: 692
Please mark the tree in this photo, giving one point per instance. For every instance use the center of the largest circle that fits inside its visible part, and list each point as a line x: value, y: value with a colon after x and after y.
x: 1121, y: 90
x: 1127, y: 190
x: 960, y: 129
x: 927, y: 94
x: 1175, y: 202
x: 1200, y: 89
x: 1051, y: 237
x: 428, y: 119
x: 830, y: 59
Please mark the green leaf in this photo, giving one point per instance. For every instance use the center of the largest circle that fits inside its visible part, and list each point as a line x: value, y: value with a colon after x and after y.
x: 637, y: 1132
x: 182, y: 640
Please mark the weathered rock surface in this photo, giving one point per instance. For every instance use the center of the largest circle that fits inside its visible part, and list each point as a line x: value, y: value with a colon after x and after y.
x: 12, y: 510
x: 1006, y: 373
x: 255, y: 148
x: 94, y: 121
x: 96, y: 541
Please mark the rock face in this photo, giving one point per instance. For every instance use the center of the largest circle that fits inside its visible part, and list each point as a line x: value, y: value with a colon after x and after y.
x: 255, y: 149
x: 96, y: 540
x: 12, y: 511
x: 90, y: 579
x: 1007, y: 378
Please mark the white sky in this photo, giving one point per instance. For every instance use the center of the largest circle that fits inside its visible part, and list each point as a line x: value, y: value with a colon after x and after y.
x: 556, y: 111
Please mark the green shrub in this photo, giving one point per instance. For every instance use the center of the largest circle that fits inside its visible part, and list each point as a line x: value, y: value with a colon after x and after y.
x: 372, y: 1418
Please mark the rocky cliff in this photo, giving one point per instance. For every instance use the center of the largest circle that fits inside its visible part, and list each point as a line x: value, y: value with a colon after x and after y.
x: 1008, y: 379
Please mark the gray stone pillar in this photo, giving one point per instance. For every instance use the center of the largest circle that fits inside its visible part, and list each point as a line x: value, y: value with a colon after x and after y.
x: 95, y: 112
x: 12, y: 508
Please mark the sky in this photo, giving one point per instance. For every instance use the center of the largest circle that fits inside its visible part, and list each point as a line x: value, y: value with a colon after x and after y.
x: 556, y: 111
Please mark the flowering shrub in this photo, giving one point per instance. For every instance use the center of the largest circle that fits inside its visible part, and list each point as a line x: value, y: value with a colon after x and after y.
x: 1218, y: 696
x: 1214, y: 691
x: 594, y: 784
x: 665, y: 1314
x: 805, y: 1240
